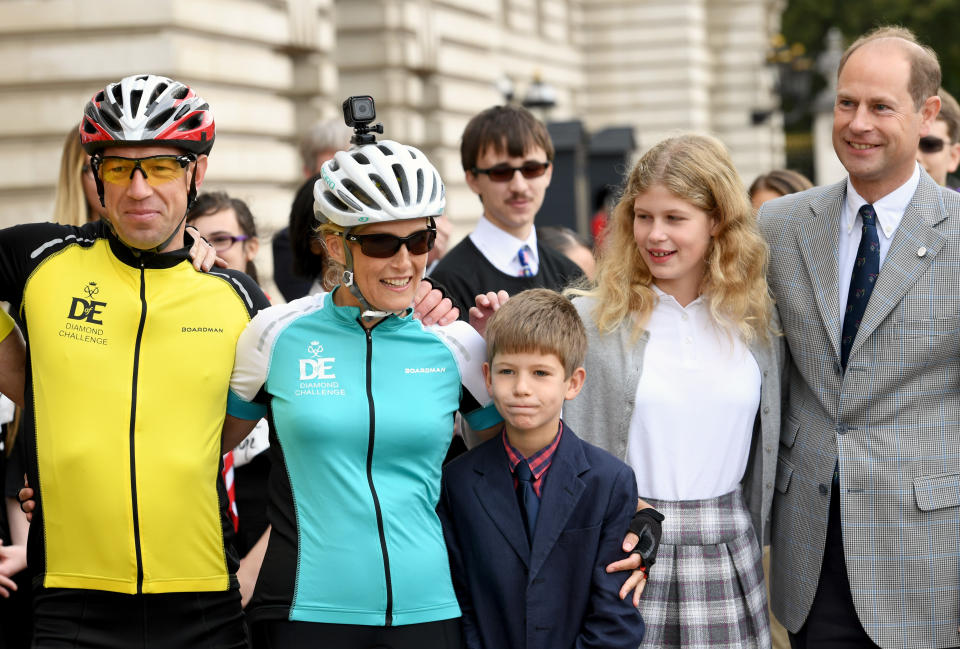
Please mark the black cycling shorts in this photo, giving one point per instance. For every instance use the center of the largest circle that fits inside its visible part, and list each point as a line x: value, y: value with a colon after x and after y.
x: 444, y: 634
x: 93, y: 619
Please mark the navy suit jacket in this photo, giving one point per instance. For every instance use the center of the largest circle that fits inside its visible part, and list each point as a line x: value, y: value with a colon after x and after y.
x: 555, y: 594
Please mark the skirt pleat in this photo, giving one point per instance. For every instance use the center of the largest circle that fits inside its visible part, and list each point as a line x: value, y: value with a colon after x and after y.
x: 706, y: 590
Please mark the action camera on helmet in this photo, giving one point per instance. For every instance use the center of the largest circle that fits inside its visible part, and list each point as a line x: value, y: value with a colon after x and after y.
x: 358, y: 112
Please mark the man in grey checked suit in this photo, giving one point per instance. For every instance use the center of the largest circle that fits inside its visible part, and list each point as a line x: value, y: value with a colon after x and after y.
x: 866, y: 513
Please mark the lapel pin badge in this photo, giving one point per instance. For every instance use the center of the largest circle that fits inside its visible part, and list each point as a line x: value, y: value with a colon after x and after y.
x: 921, y: 252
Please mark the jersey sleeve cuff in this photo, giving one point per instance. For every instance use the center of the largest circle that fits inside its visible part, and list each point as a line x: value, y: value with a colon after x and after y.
x: 237, y: 407
x: 484, y: 417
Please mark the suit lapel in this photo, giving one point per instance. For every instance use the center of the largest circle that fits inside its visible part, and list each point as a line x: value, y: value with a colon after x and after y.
x: 562, y: 491
x: 494, y: 489
x: 818, y: 239
x: 903, y: 264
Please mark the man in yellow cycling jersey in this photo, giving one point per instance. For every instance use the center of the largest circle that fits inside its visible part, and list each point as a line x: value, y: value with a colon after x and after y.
x: 129, y: 356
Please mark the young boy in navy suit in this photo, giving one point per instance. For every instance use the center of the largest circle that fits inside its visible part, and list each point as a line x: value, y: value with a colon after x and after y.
x: 533, y: 516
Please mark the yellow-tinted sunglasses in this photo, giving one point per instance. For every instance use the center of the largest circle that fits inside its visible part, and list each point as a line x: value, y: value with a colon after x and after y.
x: 156, y: 169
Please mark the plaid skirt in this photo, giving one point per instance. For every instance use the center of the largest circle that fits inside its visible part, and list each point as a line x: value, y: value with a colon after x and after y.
x: 706, y: 590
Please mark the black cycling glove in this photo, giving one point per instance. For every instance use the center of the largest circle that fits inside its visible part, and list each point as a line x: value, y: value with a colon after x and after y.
x: 646, y: 524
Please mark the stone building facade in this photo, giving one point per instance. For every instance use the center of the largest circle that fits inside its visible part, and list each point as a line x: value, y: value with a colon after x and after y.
x: 271, y: 68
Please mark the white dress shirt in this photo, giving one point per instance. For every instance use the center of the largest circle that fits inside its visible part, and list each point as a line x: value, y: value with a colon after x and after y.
x: 501, y: 248
x: 697, y: 400
x: 889, y: 211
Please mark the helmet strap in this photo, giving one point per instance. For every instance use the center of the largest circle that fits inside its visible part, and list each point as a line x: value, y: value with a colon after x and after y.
x: 368, y: 312
x: 95, y: 161
x: 192, y: 193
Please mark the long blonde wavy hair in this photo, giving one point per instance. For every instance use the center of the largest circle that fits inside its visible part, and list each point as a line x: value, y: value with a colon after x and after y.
x: 698, y: 169
x: 70, y: 203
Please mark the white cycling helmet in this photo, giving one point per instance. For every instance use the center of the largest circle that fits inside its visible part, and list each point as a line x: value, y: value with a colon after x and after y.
x: 383, y: 181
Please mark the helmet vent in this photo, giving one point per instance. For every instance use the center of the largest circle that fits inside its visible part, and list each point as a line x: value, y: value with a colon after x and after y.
x: 382, y: 186
x: 334, y: 165
x: 117, y: 94
x: 419, y: 185
x: 335, y: 202
x: 99, y: 97
x: 180, y: 92
x: 157, y: 91
x: 159, y: 120
x: 402, y: 181
x: 412, y: 154
x: 386, y: 150
x: 109, y: 121
x: 348, y: 200
x: 195, y: 121
x: 433, y: 190
x: 362, y: 159
x: 135, y: 97
x: 184, y: 109
x: 88, y: 126
x: 358, y: 193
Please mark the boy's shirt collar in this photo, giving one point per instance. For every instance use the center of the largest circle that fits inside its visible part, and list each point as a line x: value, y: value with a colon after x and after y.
x: 539, y: 462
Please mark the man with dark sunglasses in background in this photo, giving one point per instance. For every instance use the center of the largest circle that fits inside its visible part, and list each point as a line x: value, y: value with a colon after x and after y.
x: 939, y: 151
x: 507, y: 156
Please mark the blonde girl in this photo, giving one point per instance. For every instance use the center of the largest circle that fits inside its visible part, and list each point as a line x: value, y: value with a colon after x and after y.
x: 683, y: 384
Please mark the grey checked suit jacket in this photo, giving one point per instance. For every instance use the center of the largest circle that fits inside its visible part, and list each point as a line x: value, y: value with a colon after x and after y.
x: 892, y: 419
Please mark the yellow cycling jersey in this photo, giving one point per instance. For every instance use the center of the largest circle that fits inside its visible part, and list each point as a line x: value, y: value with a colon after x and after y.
x: 6, y: 324
x: 129, y: 362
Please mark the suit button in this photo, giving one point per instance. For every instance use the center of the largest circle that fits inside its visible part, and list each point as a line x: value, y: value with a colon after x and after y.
x: 837, y: 367
x: 768, y: 448
x: 769, y: 485
x: 766, y: 410
x: 842, y: 429
x: 823, y: 489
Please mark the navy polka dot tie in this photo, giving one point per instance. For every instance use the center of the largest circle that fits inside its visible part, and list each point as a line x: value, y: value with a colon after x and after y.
x: 862, y: 280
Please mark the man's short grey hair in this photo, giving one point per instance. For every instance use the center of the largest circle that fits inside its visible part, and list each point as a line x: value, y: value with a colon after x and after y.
x: 326, y: 135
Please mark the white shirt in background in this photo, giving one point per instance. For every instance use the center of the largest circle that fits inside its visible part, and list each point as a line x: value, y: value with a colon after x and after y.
x: 501, y: 248
x: 697, y: 400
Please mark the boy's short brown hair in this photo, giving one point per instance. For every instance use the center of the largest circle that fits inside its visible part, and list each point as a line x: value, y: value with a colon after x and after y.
x: 510, y: 128
x: 541, y: 321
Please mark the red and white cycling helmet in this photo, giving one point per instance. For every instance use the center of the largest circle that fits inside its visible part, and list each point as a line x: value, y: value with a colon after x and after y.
x: 147, y: 109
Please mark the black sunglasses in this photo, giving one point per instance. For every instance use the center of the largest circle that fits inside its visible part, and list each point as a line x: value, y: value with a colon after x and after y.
x: 382, y: 245
x: 931, y: 144
x: 504, y: 173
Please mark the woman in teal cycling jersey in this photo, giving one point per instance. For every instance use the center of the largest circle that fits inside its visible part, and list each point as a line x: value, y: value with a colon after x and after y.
x: 362, y: 398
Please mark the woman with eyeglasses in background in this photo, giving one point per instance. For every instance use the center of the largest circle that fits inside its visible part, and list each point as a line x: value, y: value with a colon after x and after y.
x: 228, y: 225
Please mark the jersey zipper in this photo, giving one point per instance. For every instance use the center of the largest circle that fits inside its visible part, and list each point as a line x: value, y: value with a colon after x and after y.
x: 388, y: 617
x: 133, y: 425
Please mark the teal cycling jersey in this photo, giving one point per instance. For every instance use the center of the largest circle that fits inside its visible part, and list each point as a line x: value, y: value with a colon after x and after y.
x: 362, y: 419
